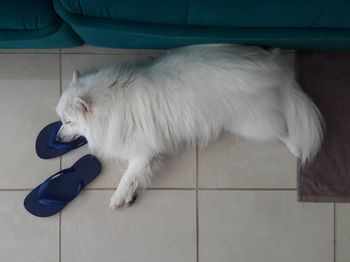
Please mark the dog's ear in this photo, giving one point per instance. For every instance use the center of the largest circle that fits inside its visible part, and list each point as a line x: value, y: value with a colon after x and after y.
x: 82, y: 105
x: 76, y: 76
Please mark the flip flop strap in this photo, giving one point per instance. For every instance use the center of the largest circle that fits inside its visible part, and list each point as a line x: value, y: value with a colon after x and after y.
x: 53, y: 202
x: 53, y: 143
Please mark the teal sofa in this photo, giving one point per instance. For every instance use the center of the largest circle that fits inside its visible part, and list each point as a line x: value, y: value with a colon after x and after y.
x: 34, y: 24
x: 298, y: 24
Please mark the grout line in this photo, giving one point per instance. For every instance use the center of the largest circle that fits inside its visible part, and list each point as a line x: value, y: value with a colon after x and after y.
x: 60, y: 91
x: 60, y: 71
x: 334, y: 233
x: 197, y: 213
x: 197, y: 158
x: 29, y: 53
x: 85, y: 53
x: 203, y: 189
x: 173, y: 188
x: 59, y: 215
x: 146, y: 189
x: 116, y: 54
x: 170, y: 188
x: 59, y: 237
x: 247, y: 189
x: 16, y: 189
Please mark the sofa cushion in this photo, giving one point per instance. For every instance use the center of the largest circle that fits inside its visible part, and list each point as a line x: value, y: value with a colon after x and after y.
x: 270, y: 13
x: 170, y: 23
x: 27, y: 15
x: 221, y: 13
x: 33, y: 24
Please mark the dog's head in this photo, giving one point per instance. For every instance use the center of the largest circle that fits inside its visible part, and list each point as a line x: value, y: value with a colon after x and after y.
x: 73, y: 109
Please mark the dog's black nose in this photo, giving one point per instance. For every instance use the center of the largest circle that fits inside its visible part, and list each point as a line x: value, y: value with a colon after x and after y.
x: 58, y: 138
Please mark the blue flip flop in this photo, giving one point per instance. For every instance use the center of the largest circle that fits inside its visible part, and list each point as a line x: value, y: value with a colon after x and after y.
x: 48, y: 147
x: 58, y: 190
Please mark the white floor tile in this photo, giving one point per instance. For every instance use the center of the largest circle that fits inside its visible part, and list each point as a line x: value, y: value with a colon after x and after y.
x: 233, y: 162
x: 160, y: 226
x: 24, y: 237
x: 263, y: 226
x: 342, y: 232
x: 177, y: 171
x: 29, y: 91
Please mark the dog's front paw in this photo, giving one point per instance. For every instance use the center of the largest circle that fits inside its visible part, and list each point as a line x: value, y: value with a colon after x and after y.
x: 117, y: 200
x: 125, y: 195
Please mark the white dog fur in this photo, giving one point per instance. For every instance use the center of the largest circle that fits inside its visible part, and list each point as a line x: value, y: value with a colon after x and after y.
x: 137, y: 112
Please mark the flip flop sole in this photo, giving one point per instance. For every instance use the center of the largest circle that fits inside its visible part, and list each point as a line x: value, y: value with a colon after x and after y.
x: 47, y: 148
x: 83, y: 172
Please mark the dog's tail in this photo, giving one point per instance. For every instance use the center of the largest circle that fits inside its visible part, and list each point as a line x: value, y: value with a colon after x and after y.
x: 305, y: 123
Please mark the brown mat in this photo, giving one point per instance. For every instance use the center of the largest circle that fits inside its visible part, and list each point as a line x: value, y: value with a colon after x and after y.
x: 325, y: 76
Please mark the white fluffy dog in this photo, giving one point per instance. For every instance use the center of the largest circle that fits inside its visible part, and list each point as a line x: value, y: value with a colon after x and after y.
x: 188, y: 95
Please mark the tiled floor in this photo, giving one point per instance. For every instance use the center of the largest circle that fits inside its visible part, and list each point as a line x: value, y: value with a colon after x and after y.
x: 234, y: 201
